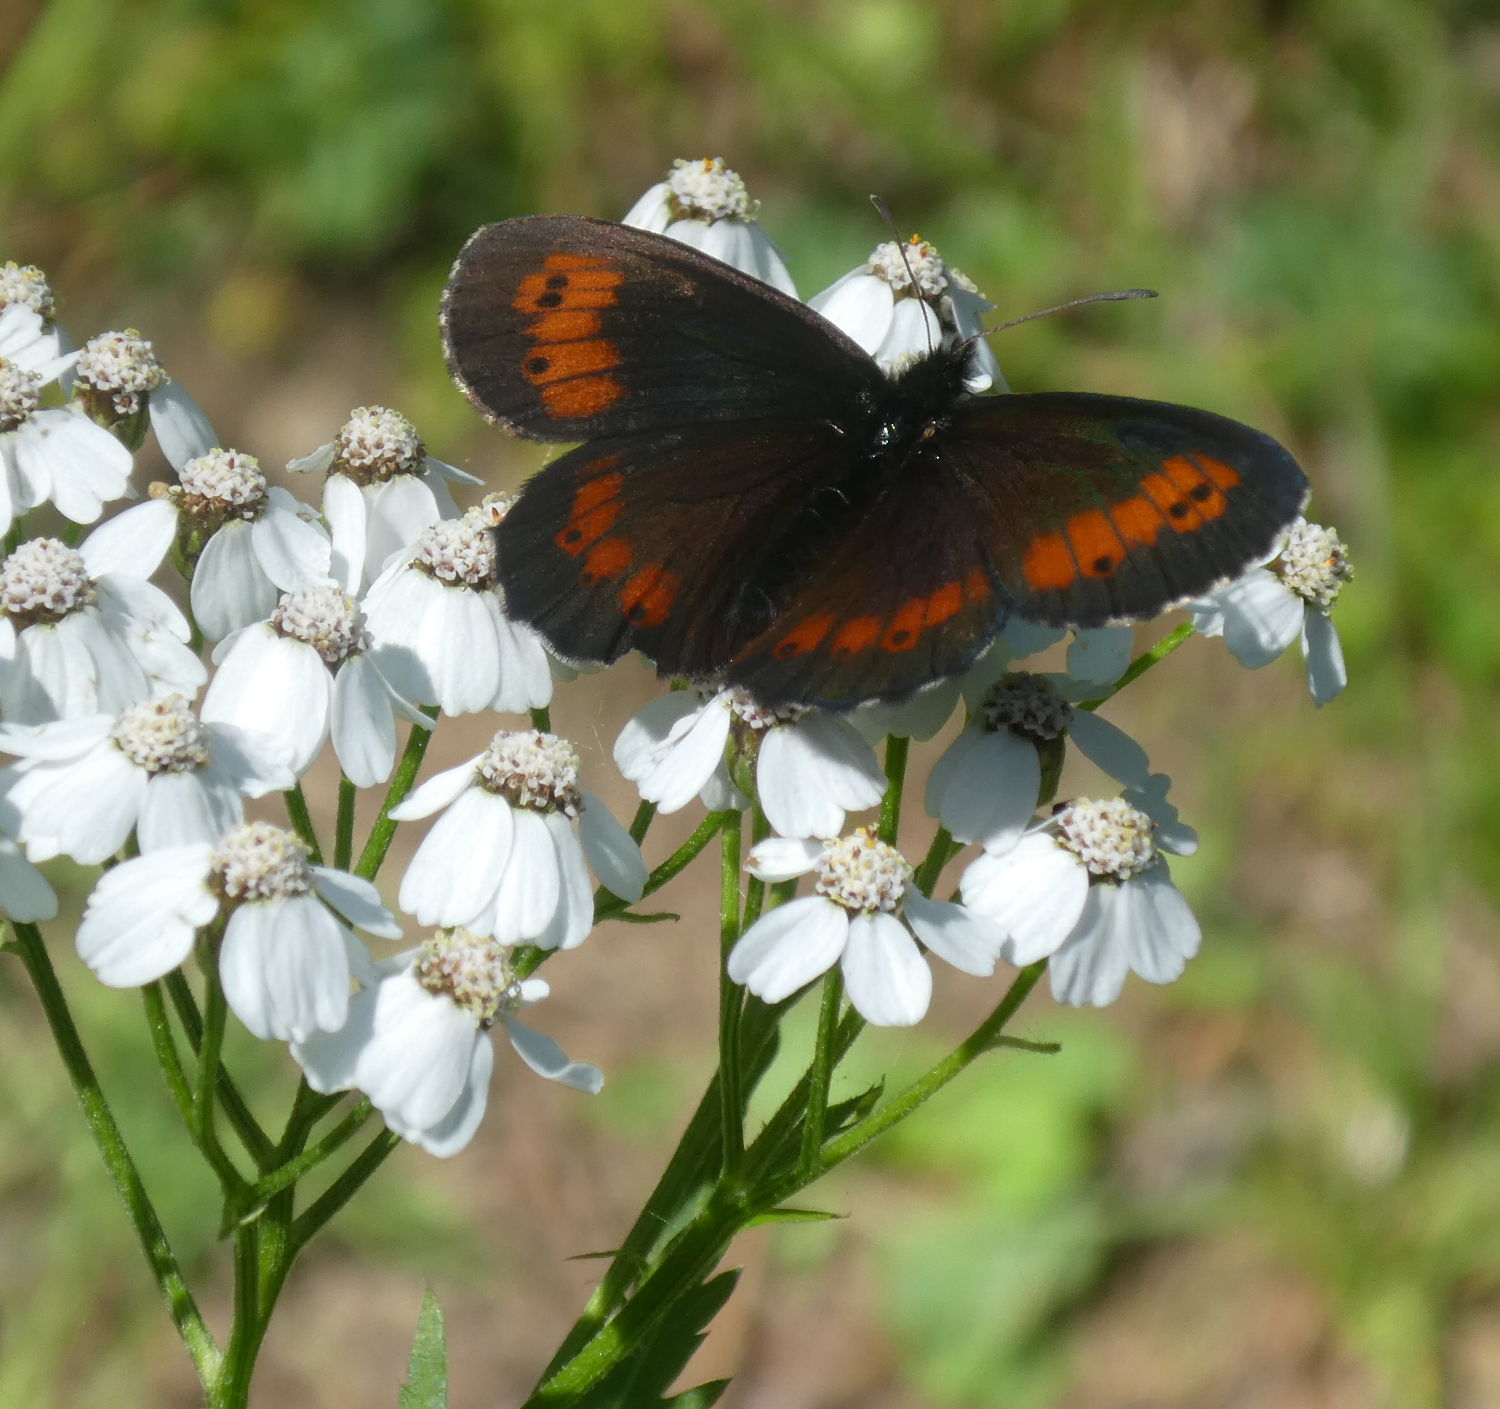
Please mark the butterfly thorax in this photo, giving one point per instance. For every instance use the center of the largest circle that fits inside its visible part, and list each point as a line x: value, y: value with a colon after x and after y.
x: 915, y: 404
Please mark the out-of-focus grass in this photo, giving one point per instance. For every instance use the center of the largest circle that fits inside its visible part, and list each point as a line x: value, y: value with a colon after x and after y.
x: 1315, y: 189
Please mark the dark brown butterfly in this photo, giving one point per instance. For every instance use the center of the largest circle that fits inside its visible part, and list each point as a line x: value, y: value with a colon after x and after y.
x: 756, y: 503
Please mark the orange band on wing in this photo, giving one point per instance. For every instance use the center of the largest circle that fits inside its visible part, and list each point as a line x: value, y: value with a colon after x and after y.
x: 581, y: 396
x: 646, y: 599
x: 596, y: 506
x: 608, y: 558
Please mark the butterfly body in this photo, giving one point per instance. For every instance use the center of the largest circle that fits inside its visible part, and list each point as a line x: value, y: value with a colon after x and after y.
x: 755, y: 502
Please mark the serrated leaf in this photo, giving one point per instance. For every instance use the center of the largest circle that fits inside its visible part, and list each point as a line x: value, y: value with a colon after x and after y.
x: 645, y: 1377
x: 793, y: 1215
x: 427, y: 1369
x: 843, y: 1114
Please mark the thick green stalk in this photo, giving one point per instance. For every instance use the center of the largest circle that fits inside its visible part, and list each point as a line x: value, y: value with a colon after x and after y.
x: 820, y: 1072
x: 731, y: 1000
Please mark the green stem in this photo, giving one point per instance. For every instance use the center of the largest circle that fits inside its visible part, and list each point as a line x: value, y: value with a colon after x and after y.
x: 291, y: 1170
x: 301, y: 818
x: 165, y: 1046
x: 755, y: 890
x: 542, y: 719
x: 731, y: 1001
x: 820, y: 1074
x: 215, y: 1023
x: 384, y: 830
x: 343, y: 827
x: 149, y: 1232
x: 641, y: 822
x: 342, y: 1189
x: 939, y: 854
x: 896, y: 748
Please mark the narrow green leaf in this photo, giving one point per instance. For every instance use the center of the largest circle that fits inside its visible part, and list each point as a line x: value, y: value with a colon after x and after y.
x: 427, y: 1370
x: 699, y: 1397
x: 793, y: 1215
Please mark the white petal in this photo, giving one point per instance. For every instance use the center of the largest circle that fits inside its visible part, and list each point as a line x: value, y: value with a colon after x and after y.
x: 860, y: 304
x: 244, y: 760
x: 671, y: 748
x: 420, y: 1057
x: 1101, y: 656
x: 574, y: 917
x: 1163, y: 933
x: 781, y: 858
x: 457, y: 868
x: 277, y: 687
x: 344, y: 508
x: 789, y: 946
x: 357, y: 900
x: 83, y: 463
x: 437, y: 792
x: 329, y: 1060
x: 284, y: 968
x: 291, y: 551
x: 810, y: 773
x: 179, y: 809
x: 1326, y: 676
x: 138, y: 536
x: 1109, y: 747
x: 1258, y: 616
x: 546, y: 1058
x: 1092, y: 966
x: 914, y: 332
x: 84, y: 809
x: 1035, y: 892
x: 142, y: 915
x: 985, y: 787
x: 966, y: 940
x: 363, y: 724
x: 24, y: 892
x: 650, y: 211
x: 182, y: 430
x: 454, y: 1131
x: 920, y: 717
x: 229, y: 590
x: 611, y: 850
x: 398, y: 511
x: 525, y: 673
x: 526, y: 899
x: 887, y: 978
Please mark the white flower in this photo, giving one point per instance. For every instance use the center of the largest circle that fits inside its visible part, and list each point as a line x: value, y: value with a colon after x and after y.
x: 117, y: 377
x: 811, y: 767
x: 309, y: 671
x: 285, y: 960
x: 861, y: 884
x: 417, y: 1040
x: 440, y: 622
x: 381, y: 490
x: 55, y: 453
x: 258, y: 541
x: 899, y: 309
x: 1288, y: 596
x: 507, y: 856
x: 83, y: 784
x: 25, y: 286
x: 83, y: 632
x: 985, y: 787
x: 1090, y: 888
x: 705, y: 204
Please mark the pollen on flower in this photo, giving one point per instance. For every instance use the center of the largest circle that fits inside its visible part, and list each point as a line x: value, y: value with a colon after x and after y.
x: 220, y: 485
x: 460, y: 551
x: 163, y: 736
x: 927, y: 267
x: 758, y: 716
x: 20, y: 394
x: 324, y: 617
x: 44, y: 580
x: 115, y: 370
x: 862, y: 873
x: 533, y: 770
x: 1114, y: 840
x: 376, y: 444
x: 708, y: 190
x: 1315, y: 564
x: 259, y: 861
x: 474, y: 971
x: 1028, y: 705
x: 25, y: 283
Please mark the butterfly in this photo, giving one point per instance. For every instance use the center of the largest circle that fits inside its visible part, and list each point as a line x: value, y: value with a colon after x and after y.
x: 756, y: 503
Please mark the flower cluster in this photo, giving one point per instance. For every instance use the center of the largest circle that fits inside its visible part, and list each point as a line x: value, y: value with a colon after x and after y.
x: 379, y: 607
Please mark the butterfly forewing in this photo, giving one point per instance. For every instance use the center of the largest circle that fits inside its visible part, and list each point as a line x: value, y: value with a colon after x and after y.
x: 1105, y: 508
x: 565, y: 328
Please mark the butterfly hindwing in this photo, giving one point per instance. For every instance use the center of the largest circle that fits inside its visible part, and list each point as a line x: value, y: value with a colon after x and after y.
x: 565, y: 328
x: 1106, y: 508
x: 677, y: 543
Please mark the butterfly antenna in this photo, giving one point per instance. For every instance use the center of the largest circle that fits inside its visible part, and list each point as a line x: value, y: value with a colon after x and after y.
x: 1116, y: 296
x: 885, y: 214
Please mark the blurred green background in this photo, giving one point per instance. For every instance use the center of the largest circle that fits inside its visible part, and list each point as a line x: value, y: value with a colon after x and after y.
x: 1276, y: 1183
